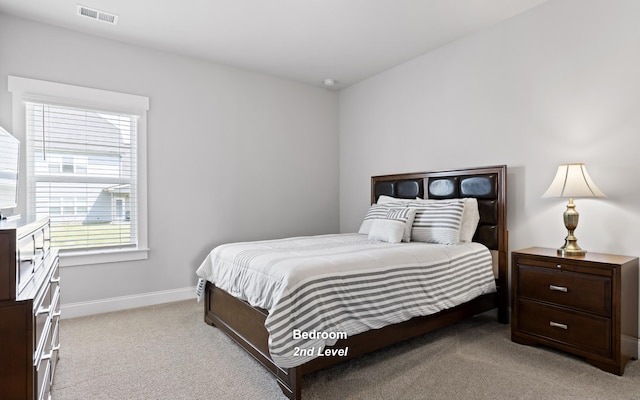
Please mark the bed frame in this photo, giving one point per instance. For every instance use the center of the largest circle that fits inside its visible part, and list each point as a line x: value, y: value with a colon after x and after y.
x: 245, y: 324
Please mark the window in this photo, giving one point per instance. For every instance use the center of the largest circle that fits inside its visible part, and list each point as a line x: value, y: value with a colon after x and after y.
x: 85, y: 168
x: 82, y: 162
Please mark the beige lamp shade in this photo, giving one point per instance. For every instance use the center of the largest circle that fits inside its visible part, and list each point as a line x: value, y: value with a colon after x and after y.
x: 573, y: 181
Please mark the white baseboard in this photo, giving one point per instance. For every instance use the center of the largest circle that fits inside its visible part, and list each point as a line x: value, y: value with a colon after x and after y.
x: 80, y: 309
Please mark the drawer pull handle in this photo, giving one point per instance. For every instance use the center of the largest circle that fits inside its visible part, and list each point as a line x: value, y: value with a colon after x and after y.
x: 558, y: 288
x: 43, y: 310
x: 558, y: 325
x: 55, y: 280
x: 48, y: 356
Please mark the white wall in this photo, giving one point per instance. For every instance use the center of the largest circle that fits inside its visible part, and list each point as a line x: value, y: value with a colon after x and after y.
x: 557, y: 84
x: 233, y: 155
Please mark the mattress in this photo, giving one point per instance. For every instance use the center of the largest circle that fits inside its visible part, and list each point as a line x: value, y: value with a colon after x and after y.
x: 318, y: 289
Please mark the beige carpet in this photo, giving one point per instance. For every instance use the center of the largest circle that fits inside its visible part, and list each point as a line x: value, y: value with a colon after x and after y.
x: 168, y: 352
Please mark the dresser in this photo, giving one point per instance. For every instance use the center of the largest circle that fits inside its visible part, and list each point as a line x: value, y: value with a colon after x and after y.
x: 587, y: 305
x: 29, y: 309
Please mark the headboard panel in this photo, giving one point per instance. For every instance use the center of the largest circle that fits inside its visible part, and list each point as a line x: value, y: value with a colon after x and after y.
x: 400, y: 188
x: 485, y: 189
x: 487, y: 184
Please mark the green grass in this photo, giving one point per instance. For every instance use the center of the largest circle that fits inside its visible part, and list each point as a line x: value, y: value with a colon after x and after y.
x: 74, y: 236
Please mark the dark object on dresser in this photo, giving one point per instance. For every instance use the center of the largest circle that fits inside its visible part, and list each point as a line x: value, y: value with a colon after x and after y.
x: 29, y: 309
x: 584, y: 305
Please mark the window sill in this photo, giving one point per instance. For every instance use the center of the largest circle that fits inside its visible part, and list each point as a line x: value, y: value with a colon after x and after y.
x: 78, y: 258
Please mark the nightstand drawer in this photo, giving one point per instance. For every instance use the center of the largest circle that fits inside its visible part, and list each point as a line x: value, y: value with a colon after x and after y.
x: 583, y: 331
x: 585, y: 292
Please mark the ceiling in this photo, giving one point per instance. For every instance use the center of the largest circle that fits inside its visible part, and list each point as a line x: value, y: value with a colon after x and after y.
x: 302, y: 40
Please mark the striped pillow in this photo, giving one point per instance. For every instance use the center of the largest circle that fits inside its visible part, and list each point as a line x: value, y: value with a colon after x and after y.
x: 378, y: 211
x: 392, y: 228
x: 470, y: 216
x: 437, y: 222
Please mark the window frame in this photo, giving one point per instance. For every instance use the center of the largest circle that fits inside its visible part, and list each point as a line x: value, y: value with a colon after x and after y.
x: 27, y: 89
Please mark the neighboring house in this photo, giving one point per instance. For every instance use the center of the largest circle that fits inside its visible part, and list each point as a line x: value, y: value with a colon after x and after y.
x: 83, y: 169
x: 119, y: 199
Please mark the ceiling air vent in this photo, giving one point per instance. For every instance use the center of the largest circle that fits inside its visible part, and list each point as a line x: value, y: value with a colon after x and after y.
x: 97, y: 15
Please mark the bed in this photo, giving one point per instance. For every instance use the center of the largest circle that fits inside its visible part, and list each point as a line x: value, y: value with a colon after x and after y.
x: 297, y: 336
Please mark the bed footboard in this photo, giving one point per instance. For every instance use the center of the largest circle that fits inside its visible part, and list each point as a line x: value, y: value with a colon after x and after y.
x: 245, y: 325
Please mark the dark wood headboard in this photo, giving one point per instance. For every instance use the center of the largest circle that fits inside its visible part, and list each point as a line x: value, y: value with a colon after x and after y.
x: 487, y: 184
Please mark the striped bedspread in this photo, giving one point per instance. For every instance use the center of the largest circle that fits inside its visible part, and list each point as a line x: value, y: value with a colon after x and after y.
x: 318, y: 289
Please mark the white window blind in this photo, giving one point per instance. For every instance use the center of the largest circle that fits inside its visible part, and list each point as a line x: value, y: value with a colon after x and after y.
x: 82, y: 173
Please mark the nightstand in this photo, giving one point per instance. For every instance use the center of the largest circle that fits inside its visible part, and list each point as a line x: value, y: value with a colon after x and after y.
x: 587, y: 306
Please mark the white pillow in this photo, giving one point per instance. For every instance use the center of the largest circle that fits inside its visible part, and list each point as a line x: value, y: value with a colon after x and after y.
x: 470, y: 217
x: 437, y: 221
x: 377, y: 211
x: 384, y: 199
x: 392, y: 228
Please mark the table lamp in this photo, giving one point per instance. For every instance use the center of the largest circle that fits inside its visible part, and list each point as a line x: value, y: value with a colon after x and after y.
x: 572, y: 181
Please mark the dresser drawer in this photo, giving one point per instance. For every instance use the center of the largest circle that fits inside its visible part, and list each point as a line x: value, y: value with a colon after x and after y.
x: 31, y: 250
x: 582, y: 291
x: 46, y: 312
x: 42, y: 320
x: 43, y: 372
x: 55, y: 344
x: 46, y: 357
x: 27, y: 259
x: 578, y: 330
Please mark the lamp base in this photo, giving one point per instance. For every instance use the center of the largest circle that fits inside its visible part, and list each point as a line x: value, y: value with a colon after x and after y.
x: 571, y: 247
x: 576, y: 253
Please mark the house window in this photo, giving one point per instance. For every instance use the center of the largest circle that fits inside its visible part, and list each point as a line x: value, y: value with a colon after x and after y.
x: 85, y: 159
